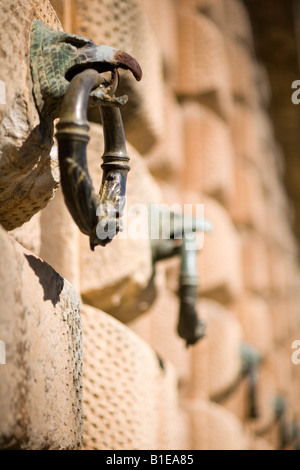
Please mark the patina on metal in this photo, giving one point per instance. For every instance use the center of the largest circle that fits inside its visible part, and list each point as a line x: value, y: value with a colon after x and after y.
x: 182, y: 242
x: 97, y: 215
x: 66, y: 73
x: 56, y: 57
x: 190, y: 327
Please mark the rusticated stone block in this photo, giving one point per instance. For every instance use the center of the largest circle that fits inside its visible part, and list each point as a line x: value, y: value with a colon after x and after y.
x: 224, y: 340
x: 239, y: 203
x: 164, y: 337
x: 28, y: 171
x: 40, y: 324
x: 166, y: 159
x: 254, y: 315
x: 162, y: 16
x: 116, y: 278
x: 280, y: 318
x: 263, y: 86
x: 120, y: 286
x: 173, y: 432
x: 158, y: 327
x: 29, y: 234
x: 63, y: 9
x: 208, y: 151
x: 215, y: 360
x: 213, y: 9
x: 282, y: 368
x: 125, y: 25
x: 255, y: 263
x: 281, y: 270
x: 202, y: 62
x: 130, y: 395
x: 236, y: 400
x: 60, y: 239
x: 242, y: 74
x: 244, y: 133
x: 238, y: 22
x: 142, y: 326
x: 247, y: 204
x: 279, y: 216
x: 219, y: 261
x: 215, y: 428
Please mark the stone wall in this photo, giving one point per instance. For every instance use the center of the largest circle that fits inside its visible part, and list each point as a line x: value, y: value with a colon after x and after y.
x: 93, y: 359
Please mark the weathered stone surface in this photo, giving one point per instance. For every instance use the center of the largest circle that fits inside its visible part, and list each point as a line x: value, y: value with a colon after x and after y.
x: 60, y: 239
x: 242, y: 69
x: 166, y: 159
x: 203, y: 70
x: 247, y: 204
x: 130, y: 397
x: 219, y: 262
x: 28, y: 172
x: 224, y: 336
x: 116, y: 278
x: 165, y: 31
x: 40, y: 385
x: 215, y: 361
x: 63, y: 9
x: 208, y: 152
x: 244, y: 134
x: 213, y: 9
x: 237, y: 400
x: 164, y: 339
x: 238, y: 22
x: 125, y: 25
x: 255, y: 318
x: 255, y: 263
x: 29, y: 234
x: 215, y: 428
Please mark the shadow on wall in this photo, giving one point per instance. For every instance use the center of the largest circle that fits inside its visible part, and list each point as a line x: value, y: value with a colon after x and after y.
x: 51, y: 282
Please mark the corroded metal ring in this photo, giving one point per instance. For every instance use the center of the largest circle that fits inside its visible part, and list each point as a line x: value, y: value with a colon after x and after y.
x: 97, y: 215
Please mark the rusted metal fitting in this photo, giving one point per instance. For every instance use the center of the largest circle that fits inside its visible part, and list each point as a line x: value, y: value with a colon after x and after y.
x: 183, y: 242
x: 66, y: 73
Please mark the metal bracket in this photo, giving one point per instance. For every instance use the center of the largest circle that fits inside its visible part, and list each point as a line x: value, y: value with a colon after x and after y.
x: 66, y: 79
x: 183, y: 242
x: 56, y: 57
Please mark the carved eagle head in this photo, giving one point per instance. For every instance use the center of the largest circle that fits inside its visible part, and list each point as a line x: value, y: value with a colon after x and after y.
x: 56, y: 56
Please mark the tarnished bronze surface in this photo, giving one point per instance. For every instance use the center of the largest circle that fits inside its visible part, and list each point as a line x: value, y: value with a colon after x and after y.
x: 66, y: 79
x: 56, y: 57
x: 183, y: 242
x: 97, y: 215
